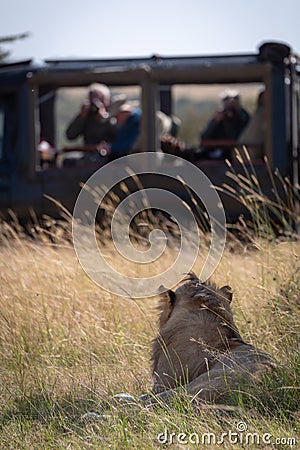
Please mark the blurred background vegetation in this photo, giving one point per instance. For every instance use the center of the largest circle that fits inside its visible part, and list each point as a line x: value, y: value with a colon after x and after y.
x: 4, y: 53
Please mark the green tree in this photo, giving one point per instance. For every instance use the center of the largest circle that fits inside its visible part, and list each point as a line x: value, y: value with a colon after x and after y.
x: 7, y: 39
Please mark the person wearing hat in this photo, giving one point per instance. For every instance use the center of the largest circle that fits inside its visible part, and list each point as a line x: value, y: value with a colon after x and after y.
x: 93, y: 121
x: 128, y: 137
x: 227, y: 125
x: 127, y: 131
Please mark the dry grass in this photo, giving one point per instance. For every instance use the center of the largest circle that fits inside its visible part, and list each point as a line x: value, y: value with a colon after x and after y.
x: 66, y: 346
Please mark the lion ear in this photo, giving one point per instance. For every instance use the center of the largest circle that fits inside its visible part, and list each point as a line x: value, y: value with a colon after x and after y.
x: 226, y: 292
x: 172, y: 296
x: 165, y: 306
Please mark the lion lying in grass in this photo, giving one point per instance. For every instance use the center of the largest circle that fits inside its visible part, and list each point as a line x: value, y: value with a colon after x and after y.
x: 199, y: 350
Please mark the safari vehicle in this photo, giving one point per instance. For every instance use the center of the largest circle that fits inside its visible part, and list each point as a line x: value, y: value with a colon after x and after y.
x: 32, y: 95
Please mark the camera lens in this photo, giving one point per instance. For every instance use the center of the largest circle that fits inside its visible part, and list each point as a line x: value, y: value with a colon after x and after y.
x: 95, y: 105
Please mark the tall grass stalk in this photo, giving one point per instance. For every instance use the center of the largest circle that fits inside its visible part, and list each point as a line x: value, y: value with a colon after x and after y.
x: 270, y: 213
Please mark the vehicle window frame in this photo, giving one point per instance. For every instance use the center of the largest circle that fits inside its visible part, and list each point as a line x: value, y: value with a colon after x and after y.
x: 2, y: 130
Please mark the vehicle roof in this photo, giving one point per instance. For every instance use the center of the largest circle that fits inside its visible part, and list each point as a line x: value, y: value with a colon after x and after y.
x: 62, y: 64
x: 15, y: 72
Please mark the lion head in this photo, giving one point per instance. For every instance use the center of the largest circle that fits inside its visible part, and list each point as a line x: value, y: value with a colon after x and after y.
x: 195, y: 324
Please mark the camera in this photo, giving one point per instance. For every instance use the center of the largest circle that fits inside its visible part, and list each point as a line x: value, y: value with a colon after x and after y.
x: 95, y: 105
x: 229, y: 112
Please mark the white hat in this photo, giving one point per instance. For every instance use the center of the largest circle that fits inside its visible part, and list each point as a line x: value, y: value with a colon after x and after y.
x: 122, y: 105
x: 230, y: 94
x: 101, y: 89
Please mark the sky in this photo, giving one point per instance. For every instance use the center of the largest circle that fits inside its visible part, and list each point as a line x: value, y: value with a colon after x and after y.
x: 117, y: 28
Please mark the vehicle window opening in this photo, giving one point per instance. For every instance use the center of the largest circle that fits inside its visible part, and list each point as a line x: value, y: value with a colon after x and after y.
x: 196, y: 105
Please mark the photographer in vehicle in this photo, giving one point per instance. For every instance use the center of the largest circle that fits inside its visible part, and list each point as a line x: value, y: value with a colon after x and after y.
x: 227, y: 125
x: 93, y: 122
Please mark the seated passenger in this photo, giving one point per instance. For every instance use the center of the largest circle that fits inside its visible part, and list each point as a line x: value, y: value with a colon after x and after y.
x: 93, y: 121
x: 127, y: 131
x: 227, y: 124
x: 253, y: 136
x: 167, y: 127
